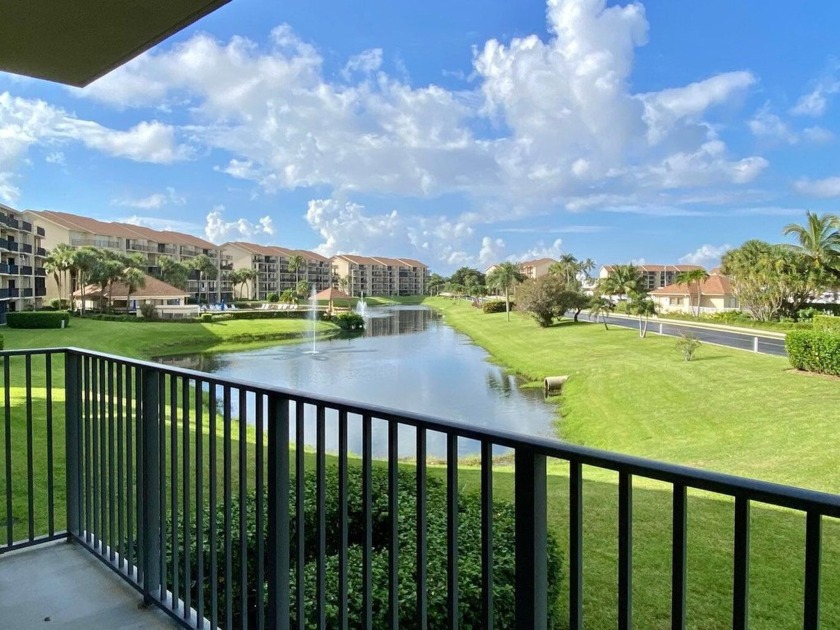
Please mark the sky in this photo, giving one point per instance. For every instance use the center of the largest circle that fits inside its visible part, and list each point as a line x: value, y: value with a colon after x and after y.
x: 656, y: 132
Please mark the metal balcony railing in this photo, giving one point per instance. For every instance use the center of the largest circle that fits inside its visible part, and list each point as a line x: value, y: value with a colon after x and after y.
x: 12, y: 246
x: 40, y: 291
x: 4, y: 294
x: 26, y: 270
x: 41, y: 252
x: 26, y: 248
x: 40, y: 271
x: 25, y: 226
x: 142, y: 465
x: 27, y: 293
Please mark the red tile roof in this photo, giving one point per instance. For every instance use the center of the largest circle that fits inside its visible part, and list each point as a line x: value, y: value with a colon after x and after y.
x: 153, y: 288
x: 715, y: 284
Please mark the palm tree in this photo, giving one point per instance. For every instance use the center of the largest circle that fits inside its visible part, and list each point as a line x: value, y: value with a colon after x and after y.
x: 694, y: 276
x: 247, y: 275
x: 627, y: 279
x: 600, y: 307
x: 819, y: 240
x: 643, y: 307
x: 206, y: 270
x: 82, y: 263
x: 505, y: 277
x: 173, y: 272
x: 567, y: 267
x: 296, y: 261
x: 58, y: 262
x: 133, y: 279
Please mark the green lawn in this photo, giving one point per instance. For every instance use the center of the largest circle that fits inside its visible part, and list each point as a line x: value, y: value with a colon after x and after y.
x: 729, y: 410
x: 143, y: 340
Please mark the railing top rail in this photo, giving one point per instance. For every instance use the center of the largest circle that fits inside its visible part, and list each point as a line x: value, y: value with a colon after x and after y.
x: 762, y: 491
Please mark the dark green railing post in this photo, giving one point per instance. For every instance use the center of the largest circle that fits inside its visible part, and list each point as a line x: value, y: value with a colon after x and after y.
x: 73, y: 440
x: 151, y: 525
x: 531, y: 541
x: 279, y: 587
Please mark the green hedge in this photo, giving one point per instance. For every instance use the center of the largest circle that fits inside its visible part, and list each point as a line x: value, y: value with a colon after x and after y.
x: 827, y: 323
x: 262, y: 315
x: 38, y: 319
x: 469, y: 533
x: 350, y: 321
x: 814, y: 351
x: 495, y: 306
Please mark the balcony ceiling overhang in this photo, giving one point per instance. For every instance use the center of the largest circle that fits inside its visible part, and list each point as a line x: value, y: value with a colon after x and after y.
x: 77, y: 41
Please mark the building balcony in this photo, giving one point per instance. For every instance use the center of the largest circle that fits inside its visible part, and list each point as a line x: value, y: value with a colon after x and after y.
x: 25, y: 226
x: 26, y: 293
x: 145, y: 471
x: 40, y: 231
x: 40, y: 271
x: 13, y: 246
x: 14, y: 293
x: 26, y: 271
x: 96, y: 242
x: 13, y: 223
x: 40, y: 291
x: 14, y: 270
x: 4, y: 294
x: 25, y: 248
x: 41, y: 252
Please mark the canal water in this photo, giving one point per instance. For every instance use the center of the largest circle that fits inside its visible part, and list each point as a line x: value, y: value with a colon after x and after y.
x: 408, y: 359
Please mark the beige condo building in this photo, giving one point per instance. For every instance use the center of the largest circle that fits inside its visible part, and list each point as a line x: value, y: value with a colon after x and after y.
x: 22, y: 253
x: 78, y: 231
x: 272, y: 266
x: 375, y: 275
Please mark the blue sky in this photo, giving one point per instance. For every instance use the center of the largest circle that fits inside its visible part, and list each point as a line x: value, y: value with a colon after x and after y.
x: 659, y: 131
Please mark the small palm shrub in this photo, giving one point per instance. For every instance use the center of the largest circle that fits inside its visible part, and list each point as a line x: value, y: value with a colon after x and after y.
x: 687, y: 344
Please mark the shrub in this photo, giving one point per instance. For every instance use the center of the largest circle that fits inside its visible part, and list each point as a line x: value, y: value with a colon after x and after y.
x: 814, y: 351
x: 147, y: 310
x: 687, y: 344
x: 207, y: 317
x: 469, y: 532
x: 60, y: 305
x: 496, y: 306
x: 350, y: 321
x: 827, y: 323
x: 264, y: 314
x: 38, y: 319
x: 273, y: 297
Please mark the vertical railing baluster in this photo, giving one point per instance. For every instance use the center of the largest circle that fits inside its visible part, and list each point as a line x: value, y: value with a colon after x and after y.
x: 48, y: 384
x: 741, y: 577
x: 452, y: 531
x: 199, y: 499
x: 120, y: 478
x: 139, y: 473
x: 227, y: 439
x: 487, y: 535
x: 625, y: 551
x: 185, y: 494
x: 30, y: 449
x: 367, y: 517
x: 152, y: 516
x: 112, y: 494
x: 7, y: 433
x: 259, y: 487
x: 73, y: 440
x: 279, y: 585
x: 678, y: 551
x: 575, y: 545
x: 129, y: 470
x: 212, y: 482
x: 103, y: 457
x: 89, y: 442
x: 422, y: 533
x: 173, y: 488
x: 342, y: 519
x: 320, y: 515
x: 393, y: 527
x: 161, y: 437
x: 95, y: 476
x: 531, y: 540
x: 300, y: 512
x: 243, y: 508
x: 813, y: 545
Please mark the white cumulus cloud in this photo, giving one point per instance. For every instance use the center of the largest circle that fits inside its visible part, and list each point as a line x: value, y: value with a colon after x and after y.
x: 154, y: 201
x: 828, y: 187
x: 217, y: 230
x: 706, y: 255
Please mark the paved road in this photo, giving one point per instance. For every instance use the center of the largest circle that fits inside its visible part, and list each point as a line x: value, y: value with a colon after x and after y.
x: 744, y: 341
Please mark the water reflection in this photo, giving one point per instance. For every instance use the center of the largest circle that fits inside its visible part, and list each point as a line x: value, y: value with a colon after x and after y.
x: 408, y: 359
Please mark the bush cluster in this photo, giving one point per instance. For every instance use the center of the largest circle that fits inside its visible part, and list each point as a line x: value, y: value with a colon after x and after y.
x: 814, y: 351
x: 350, y: 321
x: 38, y: 319
x: 206, y: 317
x: 60, y: 304
x: 496, y: 306
x: 273, y: 297
x: 262, y: 315
x: 827, y: 323
x: 469, y: 532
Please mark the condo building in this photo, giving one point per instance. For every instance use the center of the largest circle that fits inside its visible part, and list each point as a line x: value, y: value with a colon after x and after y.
x: 373, y: 275
x: 654, y: 276
x: 78, y: 231
x: 22, y: 253
x: 272, y: 265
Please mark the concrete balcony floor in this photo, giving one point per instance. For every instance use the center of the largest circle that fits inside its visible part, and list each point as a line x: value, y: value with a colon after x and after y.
x: 60, y: 585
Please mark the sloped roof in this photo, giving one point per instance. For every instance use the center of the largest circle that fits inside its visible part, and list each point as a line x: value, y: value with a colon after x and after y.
x: 715, y: 284
x: 153, y: 288
x: 653, y: 268
x: 537, y: 262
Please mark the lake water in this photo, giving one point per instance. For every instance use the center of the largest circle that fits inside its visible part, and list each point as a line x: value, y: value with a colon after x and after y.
x: 408, y: 359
